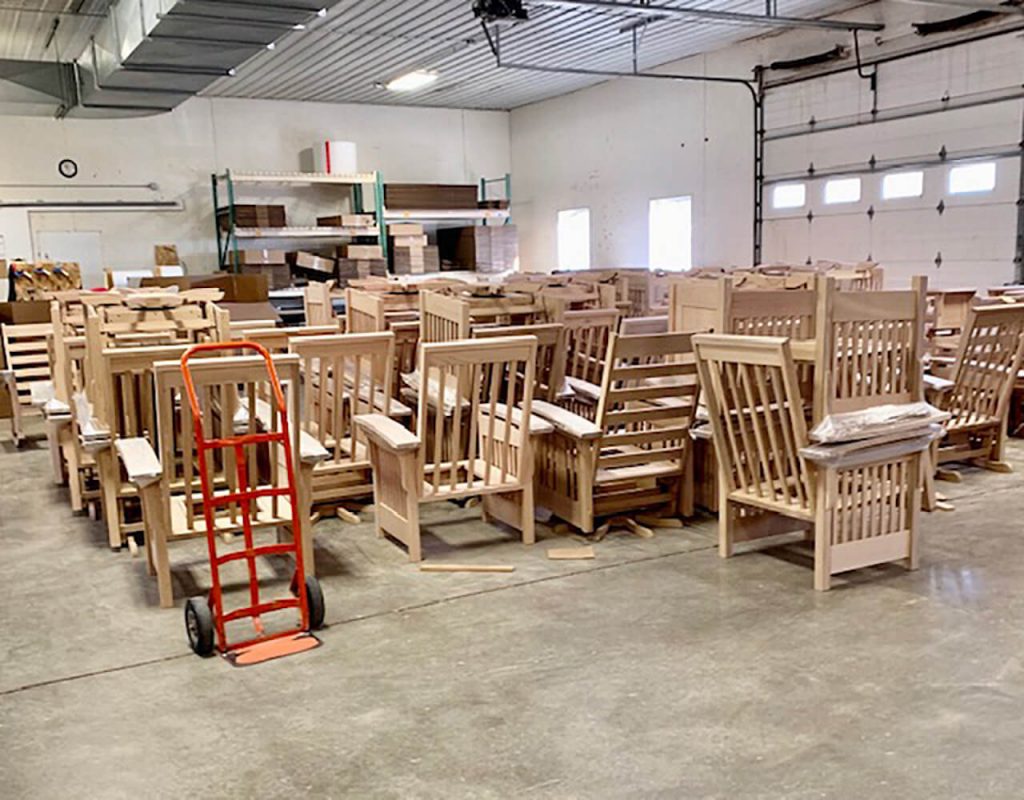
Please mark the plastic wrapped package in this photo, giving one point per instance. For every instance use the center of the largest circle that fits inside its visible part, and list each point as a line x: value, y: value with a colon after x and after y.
x: 867, y: 451
x: 876, y: 421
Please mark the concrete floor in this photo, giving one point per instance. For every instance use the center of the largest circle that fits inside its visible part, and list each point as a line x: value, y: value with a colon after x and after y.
x: 656, y: 670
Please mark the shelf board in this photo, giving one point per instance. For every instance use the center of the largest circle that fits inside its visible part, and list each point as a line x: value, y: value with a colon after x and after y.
x: 446, y: 214
x: 302, y: 177
x: 304, y: 233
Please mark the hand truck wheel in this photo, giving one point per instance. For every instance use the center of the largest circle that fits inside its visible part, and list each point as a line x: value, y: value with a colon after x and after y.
x: 315, y: 602
x: 199, y: 625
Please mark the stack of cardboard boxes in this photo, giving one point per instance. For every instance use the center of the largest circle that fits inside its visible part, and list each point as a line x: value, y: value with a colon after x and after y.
x: 411, y: 254
x: 271, y: 264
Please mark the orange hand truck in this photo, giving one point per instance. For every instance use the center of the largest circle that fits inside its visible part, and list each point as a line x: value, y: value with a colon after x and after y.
x: 205, y: 616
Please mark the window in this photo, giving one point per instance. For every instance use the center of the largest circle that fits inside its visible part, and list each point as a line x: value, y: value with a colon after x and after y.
x: 897, y: 185
x: 669, y: 230
x: 972, y: 178
x: 842, y: 190
x: 789, y: 195
x: 574, y: 238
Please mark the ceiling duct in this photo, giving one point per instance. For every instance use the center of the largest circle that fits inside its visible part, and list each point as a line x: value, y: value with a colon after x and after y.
x: 149, y: 56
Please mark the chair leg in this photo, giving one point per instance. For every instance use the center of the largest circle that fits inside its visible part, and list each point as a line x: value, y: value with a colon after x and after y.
x: 527, y: 522
x: 110, y: 482
x: 726, y: 521
x: 914, y: 515
x: 156, y: 516
x: 826, y: 481
x: 304, y: 496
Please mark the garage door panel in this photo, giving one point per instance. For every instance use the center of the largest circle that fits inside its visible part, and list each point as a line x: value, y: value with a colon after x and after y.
x: 786, y: 241
x: 845, y: 237
x: 978, y: 232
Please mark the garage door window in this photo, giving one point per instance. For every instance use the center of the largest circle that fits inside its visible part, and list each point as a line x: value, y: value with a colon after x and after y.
x: 972, y: 178
x: 789, y: 195
x: 898, y: 185
x: 842, y: 190
x: 574, y: 238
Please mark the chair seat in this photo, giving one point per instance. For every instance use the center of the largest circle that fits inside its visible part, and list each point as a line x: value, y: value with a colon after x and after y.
x: 968, y: 424
x: 654, y: 469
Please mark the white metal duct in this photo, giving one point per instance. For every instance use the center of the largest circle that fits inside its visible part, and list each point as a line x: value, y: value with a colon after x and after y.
x: 148, y: 56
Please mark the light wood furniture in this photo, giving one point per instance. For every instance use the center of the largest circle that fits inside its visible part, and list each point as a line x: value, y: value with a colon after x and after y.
x: 167, y: 477
x: 550, y: 367
x: 635, y: 452
x: 587, y: 336
x: 344, y: 376
x: 409, y: 469
x: 317, y: 303
x: 27, y: 367
x: 862, y: 513
x: 987, y: 365
x: 630, y: 326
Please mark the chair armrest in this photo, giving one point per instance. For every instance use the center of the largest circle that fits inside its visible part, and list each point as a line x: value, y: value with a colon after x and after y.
x: 538, y: 425
x: 566, y: 422
x: 140, y: 461
x: 56, y: 410
x: 310, y: 450
x: 933, y: 383
x: 386, y: 432
x: 585, y: 390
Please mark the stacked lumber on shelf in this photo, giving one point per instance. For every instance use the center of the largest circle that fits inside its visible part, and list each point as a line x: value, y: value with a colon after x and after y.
x: 253, y: 216
x: 412, y: 253
x: 361, y: 261
x: 272, y: 264
x: 429, y: 196
x: 483, y: 248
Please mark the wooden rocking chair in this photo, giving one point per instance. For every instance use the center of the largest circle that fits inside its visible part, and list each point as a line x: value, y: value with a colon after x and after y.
x: 478, y: 380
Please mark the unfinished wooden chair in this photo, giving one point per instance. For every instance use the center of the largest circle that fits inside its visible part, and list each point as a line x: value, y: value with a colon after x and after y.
x: 377, y: 312
x: 229, y: 389
x: 861, y: 506
x: 26, y: 370
x: 148, y: 318
x: 987, y: 364
x: 318, y: 304
x: 344, y: 376
x: 550, y: 365
x: 587, y: 335
x: 632, y: 326
x: 634, y: 454
x: 410, y: 469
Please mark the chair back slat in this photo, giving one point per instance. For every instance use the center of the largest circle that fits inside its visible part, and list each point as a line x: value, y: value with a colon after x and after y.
x: 550, y: 364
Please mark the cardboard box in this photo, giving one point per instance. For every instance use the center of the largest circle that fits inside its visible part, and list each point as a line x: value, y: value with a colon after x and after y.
x: 415, y: 260
x: 165, y: 255
x: 253, y: 216
x: 409, y: 241
x: 244, y: 312
x: 364, y: 252
x: 314, y: 262
x: 429, y: 196
x: 24, y: 312
x: 278, y: 276
x: 405, y: 229
x: 261, y: 257
x: 348, y: 221
x: 484, y: 248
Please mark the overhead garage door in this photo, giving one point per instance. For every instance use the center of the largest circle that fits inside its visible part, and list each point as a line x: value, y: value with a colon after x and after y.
x: 955, y: 238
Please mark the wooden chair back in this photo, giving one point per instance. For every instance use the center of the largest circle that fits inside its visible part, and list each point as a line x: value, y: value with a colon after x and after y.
x: 343, y: 375
x: 869, y: 347
x: 474, y: 378
x: 757, y: 419
x: 27, y: 356
x: 550, y: 364
x: 634, y: 326
x: 443, y: 318
x: 722, y: 306
x: 648, y: 399
x: 276, y: 340
x: 587, y: 335
x: 988, y: 361
x: 317, y: 303
x: 228, y: 389
x: 181, y: 321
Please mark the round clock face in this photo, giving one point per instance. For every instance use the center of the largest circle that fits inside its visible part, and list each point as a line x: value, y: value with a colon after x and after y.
x: 67, y: 168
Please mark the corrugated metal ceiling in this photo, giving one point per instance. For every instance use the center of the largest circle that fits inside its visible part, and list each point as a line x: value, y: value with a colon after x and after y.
x: 26, y: 26
x: 362, y: 44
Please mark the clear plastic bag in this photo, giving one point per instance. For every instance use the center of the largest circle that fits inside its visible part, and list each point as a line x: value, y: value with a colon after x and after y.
x: 867, y: 451
x: 876, y: 421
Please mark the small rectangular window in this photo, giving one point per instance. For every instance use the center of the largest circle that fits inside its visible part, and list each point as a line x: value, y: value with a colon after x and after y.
x: 970, y: 178
x: 897, y: 185
x: 669, y: 229
x: 574, y: 238
x: 789, y: 195
x: 842, y: 190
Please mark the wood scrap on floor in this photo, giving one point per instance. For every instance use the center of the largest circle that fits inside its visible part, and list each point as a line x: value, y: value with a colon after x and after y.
x: 570, y: 553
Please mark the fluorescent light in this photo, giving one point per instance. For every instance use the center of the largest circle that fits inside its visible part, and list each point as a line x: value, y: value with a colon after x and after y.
x: 271, y: 46
x: 322, y: 12
x: 298, y: 26
x: 411, y: 81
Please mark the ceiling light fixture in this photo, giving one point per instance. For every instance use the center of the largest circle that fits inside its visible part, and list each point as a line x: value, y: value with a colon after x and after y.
x: 411, y: 81
x: 271, y: 46
x: 322, y: 12
x: 298, y: 26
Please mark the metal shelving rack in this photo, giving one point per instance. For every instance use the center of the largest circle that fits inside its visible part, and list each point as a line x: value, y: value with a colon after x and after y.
x: 227, y: 240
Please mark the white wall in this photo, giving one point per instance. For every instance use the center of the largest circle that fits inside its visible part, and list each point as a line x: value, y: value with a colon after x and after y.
x: 179, y: 150
x: 615, y: 146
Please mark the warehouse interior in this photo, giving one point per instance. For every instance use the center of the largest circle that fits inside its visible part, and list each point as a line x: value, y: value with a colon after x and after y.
x: 497, y: 398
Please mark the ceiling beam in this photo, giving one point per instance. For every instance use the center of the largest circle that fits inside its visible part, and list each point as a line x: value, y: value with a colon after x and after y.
x: 730, y: 17
x: 975, y: 5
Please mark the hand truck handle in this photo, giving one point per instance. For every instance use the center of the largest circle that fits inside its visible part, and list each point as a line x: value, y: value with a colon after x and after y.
x: 193, y: 399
